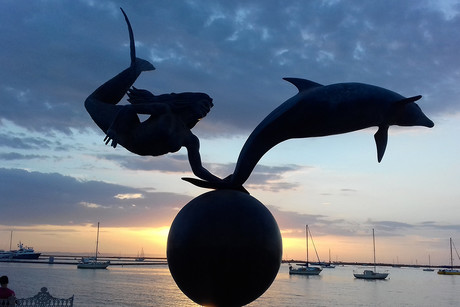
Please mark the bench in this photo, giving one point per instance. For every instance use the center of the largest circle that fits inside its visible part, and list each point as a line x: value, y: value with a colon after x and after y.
x: 42, y: 299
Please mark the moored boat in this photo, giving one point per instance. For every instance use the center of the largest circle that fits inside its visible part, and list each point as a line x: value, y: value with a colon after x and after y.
x: 140, y: 256
x: 24, y: 252
x: 371, y: 274
x: 429, y: 268
x: 328, y: 265
x: 450, y: 271
x: 91, y: 262
x: 304, y: 268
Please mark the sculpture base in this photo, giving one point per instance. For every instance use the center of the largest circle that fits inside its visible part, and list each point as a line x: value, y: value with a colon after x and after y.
x: 224, y: 249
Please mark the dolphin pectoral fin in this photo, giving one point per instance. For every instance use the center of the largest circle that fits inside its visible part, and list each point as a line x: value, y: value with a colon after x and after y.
x: 381, y: 140
x: 302, y: 84
x: 213, y: 185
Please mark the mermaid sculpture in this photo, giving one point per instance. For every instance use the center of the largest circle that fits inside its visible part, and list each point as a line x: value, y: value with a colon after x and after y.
x: 171, y: 116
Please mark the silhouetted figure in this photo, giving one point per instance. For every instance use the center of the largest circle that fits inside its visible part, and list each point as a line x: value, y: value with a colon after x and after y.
x: 171, y: 116
x: 5, y: 292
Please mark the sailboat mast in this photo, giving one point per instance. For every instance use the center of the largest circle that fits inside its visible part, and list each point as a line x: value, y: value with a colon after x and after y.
x: 373, y: 240
x: 97, y: 239
x: 11, y: 238
x: 306, y: 233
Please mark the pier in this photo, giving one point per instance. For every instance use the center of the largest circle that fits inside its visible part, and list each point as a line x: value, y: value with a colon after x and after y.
x: 73, y: 260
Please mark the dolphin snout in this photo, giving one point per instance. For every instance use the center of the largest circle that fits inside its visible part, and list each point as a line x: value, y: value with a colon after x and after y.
x: 426, y: 122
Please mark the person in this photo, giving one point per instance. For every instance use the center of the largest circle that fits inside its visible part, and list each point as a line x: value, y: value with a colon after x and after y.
x: 5, y: 292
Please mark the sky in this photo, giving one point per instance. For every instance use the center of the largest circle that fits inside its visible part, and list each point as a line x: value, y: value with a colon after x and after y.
x: 58, y: 178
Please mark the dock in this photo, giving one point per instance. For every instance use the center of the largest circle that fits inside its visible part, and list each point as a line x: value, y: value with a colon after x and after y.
x: 74, y: 259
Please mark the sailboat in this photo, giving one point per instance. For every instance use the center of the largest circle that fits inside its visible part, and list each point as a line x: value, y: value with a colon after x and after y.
x: 450, y: 271
x: 328, y: 265
x: 91, y: 262
x: 140, y: 257
x: 304, y: 268
x: 369, y: 274
x: 429, y: 268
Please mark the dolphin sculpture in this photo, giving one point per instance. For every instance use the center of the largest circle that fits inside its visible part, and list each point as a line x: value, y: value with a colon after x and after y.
x: 319, y: 110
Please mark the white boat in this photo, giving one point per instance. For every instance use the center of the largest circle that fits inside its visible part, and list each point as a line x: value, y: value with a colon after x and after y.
x: 371, y: 274
x: 91, y: 262
x: 304, y: 268
x: 429, y: 268
x: 450, y: 271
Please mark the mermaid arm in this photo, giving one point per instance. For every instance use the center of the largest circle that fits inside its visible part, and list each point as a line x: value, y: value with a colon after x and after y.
x: 192, y: 143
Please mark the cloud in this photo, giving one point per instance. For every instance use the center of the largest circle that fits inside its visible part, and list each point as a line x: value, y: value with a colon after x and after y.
x: 129, y: 196
x: 51, y: 63
x: 21, y: 141
x: 17, y: 156
x: 166, y: 163
x: 269, y: 178
x: 53, y: 199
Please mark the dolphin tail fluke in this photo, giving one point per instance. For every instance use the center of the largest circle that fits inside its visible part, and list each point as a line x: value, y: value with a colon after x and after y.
x: 381, y: 140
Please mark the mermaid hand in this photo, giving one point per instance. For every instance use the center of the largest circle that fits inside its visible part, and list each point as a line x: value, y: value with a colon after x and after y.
x: 111, y: 136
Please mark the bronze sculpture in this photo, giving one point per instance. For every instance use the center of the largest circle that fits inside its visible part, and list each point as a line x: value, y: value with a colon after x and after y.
x: 171, y: 116
x: 226, y: 226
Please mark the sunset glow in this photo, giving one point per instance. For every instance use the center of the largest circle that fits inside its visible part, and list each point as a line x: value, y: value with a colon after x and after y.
x: 58, y: 178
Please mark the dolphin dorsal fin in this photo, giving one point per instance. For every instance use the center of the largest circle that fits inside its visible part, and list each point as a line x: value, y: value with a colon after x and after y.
x: 302, y: 84
x: 409, y: 99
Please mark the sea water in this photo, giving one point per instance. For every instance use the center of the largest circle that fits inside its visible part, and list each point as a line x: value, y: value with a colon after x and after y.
x: 153, y: 286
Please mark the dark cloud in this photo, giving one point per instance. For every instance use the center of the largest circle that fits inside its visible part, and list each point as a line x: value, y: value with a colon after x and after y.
x: 270, y: 178
x: 33, y: 198
x: 236, y: 52
x: 167, y: 163
x: 17, y: 156
x: 21, y: 141
x: 264, y: 177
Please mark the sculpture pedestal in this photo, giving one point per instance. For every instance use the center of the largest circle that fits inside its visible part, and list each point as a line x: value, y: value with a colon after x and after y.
x: 224, y: 249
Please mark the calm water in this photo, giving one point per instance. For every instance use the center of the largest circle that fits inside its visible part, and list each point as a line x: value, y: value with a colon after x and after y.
x: 154, y: 286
